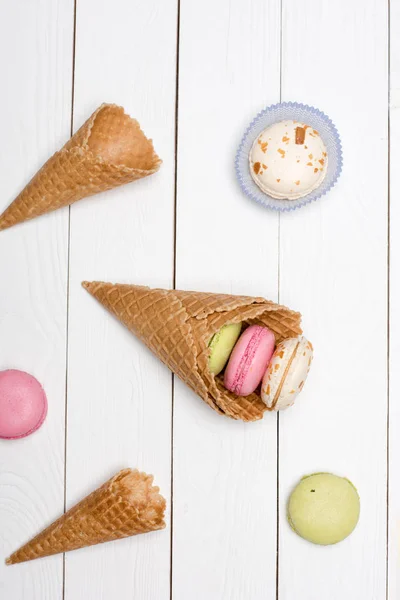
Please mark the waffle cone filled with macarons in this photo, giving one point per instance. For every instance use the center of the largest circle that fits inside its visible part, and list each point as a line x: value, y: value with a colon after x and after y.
x: 178, y: 325
x: 109, y: 150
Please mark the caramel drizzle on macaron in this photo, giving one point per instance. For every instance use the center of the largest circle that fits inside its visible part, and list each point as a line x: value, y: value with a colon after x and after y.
x: 278, y: 391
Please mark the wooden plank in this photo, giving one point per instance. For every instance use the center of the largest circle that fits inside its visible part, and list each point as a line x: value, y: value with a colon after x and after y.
x: 119, y: 395
x: 36, y: 67
x: 224, y: 542
x: 334, y: 269
x: 394, y: 408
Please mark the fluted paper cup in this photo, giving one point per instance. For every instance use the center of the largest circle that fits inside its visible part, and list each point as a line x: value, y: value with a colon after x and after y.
x: 296, y: 112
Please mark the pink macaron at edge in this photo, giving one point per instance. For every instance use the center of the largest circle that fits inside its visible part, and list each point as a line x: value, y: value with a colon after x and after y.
x: 23, y: 404
x: 35, y: 427
x: 249, y: 360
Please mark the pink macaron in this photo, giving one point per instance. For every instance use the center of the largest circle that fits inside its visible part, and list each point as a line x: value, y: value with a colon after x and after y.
x: 23, y: 404
x: 249, y: 360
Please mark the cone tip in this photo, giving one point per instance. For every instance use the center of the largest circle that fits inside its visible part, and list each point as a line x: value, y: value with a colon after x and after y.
x: 89, y: 286
x: 3, y: 223
x: 8, y: 561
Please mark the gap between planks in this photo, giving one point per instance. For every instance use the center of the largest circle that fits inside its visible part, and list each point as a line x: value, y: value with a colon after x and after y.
x: 68, y: 283
x: 388, y: 309
x: 178, y: 27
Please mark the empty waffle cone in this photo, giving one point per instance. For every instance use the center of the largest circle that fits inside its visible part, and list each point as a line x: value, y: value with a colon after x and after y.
x: 109, y: 150
x: 177, y: 326
x: 126, y: 505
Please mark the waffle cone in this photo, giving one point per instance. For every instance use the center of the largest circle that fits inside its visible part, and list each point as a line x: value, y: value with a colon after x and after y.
x: 109, y: 150
x: 126, y: 505
x: 177, y: 326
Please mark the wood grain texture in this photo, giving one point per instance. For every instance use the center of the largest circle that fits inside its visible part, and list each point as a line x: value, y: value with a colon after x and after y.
x: 394, y: 314
x: 119, y: 395
x: 224, y: 543
x: 36, y: 69
x: 334, y: 269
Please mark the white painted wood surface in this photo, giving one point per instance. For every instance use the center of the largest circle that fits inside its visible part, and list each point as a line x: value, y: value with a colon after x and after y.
x: 35, y: 103
x: 334, y: 269
x: 119, y: 396
x: 224, y: 472
x: 110, y: 400
x: 394, y: 313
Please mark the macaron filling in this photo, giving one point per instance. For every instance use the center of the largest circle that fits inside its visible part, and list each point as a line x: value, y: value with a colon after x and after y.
x: 249, y: 360
x: 282, y: 381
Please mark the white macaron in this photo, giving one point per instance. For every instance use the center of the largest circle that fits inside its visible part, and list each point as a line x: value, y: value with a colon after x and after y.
x: 286, y: 373
x: 288, y: 160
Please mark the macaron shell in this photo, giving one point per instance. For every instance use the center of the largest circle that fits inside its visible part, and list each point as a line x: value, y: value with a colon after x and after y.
x: 23, y: 404
x: 296, y: 375
x: 221, y: 346
x: 249, y: 360
x: 283, y: 168
x: 276, y: 370
x: 287, y: 372
x: 324, y: 508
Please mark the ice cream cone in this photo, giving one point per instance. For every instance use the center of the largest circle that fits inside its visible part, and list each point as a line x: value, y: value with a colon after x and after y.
x: 177, y: 326
x: 109, y: 150
x: 126, y: 505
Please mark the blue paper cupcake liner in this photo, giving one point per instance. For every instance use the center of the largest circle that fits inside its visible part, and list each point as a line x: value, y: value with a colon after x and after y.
x: 296, y: 112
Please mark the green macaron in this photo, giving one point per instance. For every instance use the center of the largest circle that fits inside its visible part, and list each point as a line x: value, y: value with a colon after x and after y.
x: 324, y: 508
x: 221, y: 346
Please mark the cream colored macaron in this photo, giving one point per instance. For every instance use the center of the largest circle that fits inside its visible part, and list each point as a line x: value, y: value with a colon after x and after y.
x: 286, y: 373
x: 288, y: 160
x: 324, y: 508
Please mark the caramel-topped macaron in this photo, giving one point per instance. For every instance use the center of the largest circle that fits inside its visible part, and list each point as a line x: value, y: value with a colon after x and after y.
x: 286, y: 373
x: 288, y: 160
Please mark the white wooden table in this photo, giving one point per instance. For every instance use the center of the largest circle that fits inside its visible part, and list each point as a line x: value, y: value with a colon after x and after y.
x: 194, y: 73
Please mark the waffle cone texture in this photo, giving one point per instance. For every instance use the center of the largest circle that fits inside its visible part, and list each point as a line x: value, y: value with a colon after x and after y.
x: 178, y: 325
x: 109, y: 150
x: 126, y: 505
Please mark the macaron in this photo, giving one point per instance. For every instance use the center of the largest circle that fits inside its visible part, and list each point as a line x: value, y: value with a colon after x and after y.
x: 249, y: 360
x: 286, y: 373
x: 221, y: 346
x: 288, y: 160
x: 23, y: 404
x: 324, y: 508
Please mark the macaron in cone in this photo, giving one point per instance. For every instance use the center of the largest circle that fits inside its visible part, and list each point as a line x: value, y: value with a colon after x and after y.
x: 178, y: 326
